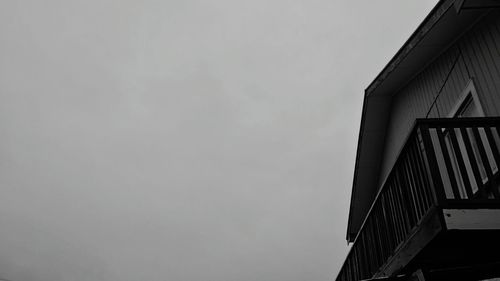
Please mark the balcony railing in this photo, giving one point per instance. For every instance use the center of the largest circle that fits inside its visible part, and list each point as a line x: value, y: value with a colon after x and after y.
x: 445, y: 163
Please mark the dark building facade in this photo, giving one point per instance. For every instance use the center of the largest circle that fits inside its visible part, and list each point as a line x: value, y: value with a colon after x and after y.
x: 425, y: 202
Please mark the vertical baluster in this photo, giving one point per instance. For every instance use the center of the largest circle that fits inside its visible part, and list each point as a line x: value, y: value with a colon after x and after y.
x: 348, y: 269
x: 430, y: 154
x: 482, y: 154
x: 425, y: 175
x: 388, y: 227
x: 384, y: 227
x: 398, y: 215
x: 374, y: 247
x: 405, y: 199
x: 413, y: 187
x: 369, y: 253
x: 395, y: 215
x: 351, y: 273
x: 379, y: 232
x: 391, y: 220
x: 496, y: 156
x: 405, y: 189
x: 493, y: 145
x: 347, y: 272
x: 361, y: 260
x: 374, y: 239
x: 461, y: 163
x: 447, y: 162
x: 391, y: 212
x: 356, y: 265
x: 420, y: 176
x: 368, y: 249
x: 417, y: 176
x: 366, y: 258
x: 473, y: 162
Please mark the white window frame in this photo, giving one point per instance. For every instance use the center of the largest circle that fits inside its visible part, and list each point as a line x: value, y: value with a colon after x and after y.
x: 469, y: 91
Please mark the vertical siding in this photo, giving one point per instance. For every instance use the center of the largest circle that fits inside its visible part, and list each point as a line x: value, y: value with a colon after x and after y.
x: 453, y: 87
x: 436, y: 90
x: 482, y: 56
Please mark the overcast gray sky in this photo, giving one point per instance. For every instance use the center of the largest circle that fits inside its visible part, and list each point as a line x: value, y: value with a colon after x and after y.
x: 184, y: 140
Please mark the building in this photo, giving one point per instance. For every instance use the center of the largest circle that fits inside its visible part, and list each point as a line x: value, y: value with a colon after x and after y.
x: 425, y: 201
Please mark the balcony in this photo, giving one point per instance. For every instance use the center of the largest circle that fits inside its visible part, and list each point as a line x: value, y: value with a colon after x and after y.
x: 439, y: 206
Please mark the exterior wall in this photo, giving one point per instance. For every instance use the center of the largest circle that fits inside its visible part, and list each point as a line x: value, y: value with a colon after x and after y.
x: 435, y: 91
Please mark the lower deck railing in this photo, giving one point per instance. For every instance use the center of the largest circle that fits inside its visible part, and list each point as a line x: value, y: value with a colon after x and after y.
x: 444, y: 163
